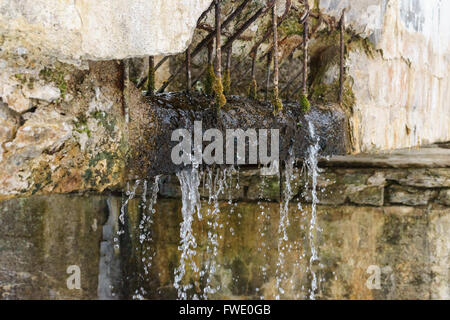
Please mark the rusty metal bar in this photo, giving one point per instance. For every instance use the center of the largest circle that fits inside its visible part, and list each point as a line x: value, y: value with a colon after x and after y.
x: 227, y: 76
x: 342, y: 53
x: 275, y: 48
x: 151, y: 76
x: 253, y: 90
x: 305, y: 57
x: 247, y: 24
x: 204, y: 42
x: 218, y: 41
x: 269, y: 60
x: 188, y: 69
x: 269, y: 31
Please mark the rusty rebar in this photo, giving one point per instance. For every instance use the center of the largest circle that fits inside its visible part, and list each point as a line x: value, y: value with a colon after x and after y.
x: 205, y: 42
x: 341, y: 58
x: 247, y: 24
x: 151, y: 76
x: 218, y: 41
x: 210, y: 76
x: 269, y: 61
x: 227, y: 76
x: 188, y: 69
x: 253, y: 89
x: 218, y: 85
x: 305, y: 58
x: 269, y: 31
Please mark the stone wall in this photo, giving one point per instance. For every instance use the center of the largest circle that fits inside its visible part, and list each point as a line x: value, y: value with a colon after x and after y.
x: 62, y: 129
x: 99, y: 30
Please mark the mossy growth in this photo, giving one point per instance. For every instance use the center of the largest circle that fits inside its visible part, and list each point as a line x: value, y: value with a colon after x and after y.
x: 329, y: 93
x: 82, y: 126
x: 276, y: 102
x: 151, y: 82
x: 227, y: 81
x: 55, y: 76
x: 253, y: 90
x: 109, y: 123
x: 218, y: 93
x: 305, y: 105
x: 21, y: 78
x: 25, y: 79
x: 290, y: 25
x: 210, y: 80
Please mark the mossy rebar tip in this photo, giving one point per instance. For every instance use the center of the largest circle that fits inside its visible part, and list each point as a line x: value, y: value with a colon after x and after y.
x: 151, y: 83
x: 210, y: 79
x: 276, y: 102
x: 253, y: 90
x: 218, y: 93
x: 305, y: 105
x: 227, y: 81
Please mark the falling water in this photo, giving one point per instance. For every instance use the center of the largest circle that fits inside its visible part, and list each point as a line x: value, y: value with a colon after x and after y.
x: 145, y: 231
x: 131, y: 193
x: 262, y: 229
x: 190, y: 196
x: 283, y: 244
x: 216, y: 185
x: 313, y: 173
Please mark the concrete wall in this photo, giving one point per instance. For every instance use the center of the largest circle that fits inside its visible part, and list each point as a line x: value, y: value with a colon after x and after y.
x: 402, y: 91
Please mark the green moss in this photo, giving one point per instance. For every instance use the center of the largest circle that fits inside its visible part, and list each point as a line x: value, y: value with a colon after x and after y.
x: 291, y: 25
x: 87, y: 176
x: 21, y: 78
x: 253, y: 90
x: 276, y: 102
x: 105, y: 155
x: 151, y: 82
x: 324, y: 93
x: 210, y: 80
x: 36, y: 188
x: 227, y: 81
x: 81, y: 126
x: 55, y: 76
x: 25, y: 79
x: 304, y: 103
x: 30, y: 83
x: 218, y: 93
x: 106, y: 121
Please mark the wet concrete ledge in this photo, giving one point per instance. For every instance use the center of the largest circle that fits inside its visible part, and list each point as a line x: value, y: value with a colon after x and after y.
x: 153, y: 119
x: 433, y: 156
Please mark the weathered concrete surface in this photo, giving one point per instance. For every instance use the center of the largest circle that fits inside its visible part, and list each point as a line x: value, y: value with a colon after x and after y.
x: 99, y: 30
x: 40, y: 237
x: 402, y: 88
x: 407, y: 245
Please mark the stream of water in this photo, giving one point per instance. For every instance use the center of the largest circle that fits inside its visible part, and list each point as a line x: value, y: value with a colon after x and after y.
x: 313, y: 173
x: 190, y: 197
x: 195, y: 271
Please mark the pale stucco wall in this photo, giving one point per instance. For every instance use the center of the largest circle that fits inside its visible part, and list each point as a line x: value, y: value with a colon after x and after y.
x: 403, y: 92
